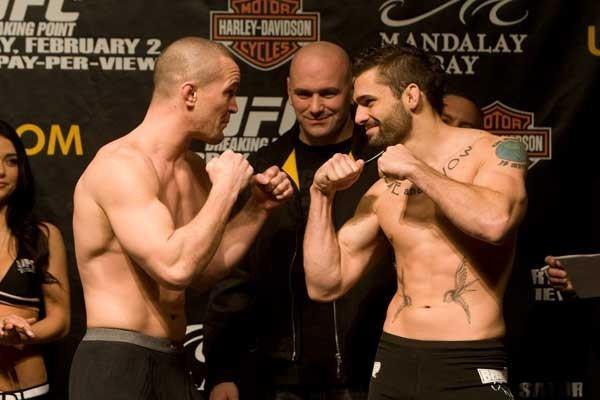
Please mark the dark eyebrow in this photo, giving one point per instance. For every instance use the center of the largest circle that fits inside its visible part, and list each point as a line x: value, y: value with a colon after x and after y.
x: 364, y: 97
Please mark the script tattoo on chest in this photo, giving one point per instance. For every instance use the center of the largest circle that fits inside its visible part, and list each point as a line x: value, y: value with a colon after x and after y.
x: 393, y: 185
x: 461, y: 286
x: 413, y: 191
x: 453, y: 163
x: 405, y: 299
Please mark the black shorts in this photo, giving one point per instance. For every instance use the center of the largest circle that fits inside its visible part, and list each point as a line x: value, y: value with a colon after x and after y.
x: 440, y: 370
x: 124, y: 365
x: 39, y: 392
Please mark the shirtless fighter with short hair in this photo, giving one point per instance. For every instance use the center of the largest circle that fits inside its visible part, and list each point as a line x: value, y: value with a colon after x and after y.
x: 449, y: 202
x: 151, y: 219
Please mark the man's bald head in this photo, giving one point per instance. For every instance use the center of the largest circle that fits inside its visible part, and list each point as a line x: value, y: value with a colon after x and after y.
x: 329, y: 56
x: 188, y: 59
x: 320, y: 91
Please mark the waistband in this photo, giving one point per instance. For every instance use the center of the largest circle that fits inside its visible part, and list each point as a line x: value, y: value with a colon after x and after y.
x: 139, y: 339
x: 29, y: 393
x: 443, y: 344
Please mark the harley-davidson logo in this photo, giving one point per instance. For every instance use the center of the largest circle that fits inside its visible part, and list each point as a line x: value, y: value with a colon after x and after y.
x: 264, y: 33
x: 503, y: 120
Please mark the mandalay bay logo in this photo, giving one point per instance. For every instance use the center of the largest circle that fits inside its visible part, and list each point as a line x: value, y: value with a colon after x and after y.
x: 460, y: 48
x: 468, y: 8
x: 264, y: 33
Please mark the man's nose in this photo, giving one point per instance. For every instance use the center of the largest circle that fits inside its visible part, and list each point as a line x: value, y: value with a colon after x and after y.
x: 362, y: 116
x: 316, y: 105
x: 233, y: 107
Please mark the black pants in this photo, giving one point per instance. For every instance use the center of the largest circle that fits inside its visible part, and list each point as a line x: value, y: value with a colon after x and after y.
x: 414, y: 369
x: 134, y: 367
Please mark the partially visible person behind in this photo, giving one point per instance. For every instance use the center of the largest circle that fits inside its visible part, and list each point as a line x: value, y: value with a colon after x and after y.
x: 449, y: 204
x: 558, y: 276
x: 461, y: 111
x: 34, y: 288
x: 304, y: 349
x: 151, y: 218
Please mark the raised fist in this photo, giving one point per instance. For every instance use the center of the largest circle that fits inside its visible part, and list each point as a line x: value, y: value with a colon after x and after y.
x: 271, y: 188
x: 338, y: 173
x: 231, y: 170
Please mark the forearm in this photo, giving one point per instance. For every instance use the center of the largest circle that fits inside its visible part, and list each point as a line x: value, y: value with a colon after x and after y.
x: 238, y: 236
x: 322, y: 260
x: 50, y: 329
x: 479, y: 212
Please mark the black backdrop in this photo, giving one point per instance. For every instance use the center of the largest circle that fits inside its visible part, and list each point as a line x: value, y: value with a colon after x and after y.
x: 75, y: 74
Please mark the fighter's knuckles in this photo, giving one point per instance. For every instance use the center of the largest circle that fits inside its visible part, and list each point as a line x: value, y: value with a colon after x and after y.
x: 272, y: 171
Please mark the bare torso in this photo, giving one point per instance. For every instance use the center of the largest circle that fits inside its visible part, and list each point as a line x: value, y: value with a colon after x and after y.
x: 450, y: 285
x: 118, y: 292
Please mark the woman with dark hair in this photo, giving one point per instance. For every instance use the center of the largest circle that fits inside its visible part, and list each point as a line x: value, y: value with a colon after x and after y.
x: 34, y: 289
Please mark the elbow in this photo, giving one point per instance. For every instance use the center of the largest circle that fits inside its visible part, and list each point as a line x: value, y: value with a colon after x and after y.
x: 174, y: 277
x: 497, y: 231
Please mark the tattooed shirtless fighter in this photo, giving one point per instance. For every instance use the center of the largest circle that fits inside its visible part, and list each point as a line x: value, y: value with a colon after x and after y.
x: 449, y: 202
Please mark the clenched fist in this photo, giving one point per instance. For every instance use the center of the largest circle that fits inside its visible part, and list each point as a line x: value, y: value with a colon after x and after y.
x: 396, y: 162
x: 231, y: 170
x: 271, y: 188
x: 338, y: 173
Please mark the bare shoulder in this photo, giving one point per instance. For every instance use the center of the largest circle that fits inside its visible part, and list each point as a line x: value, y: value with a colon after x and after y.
x: 50, y: 230
x: 504, y: 152
x: 54, y: 236
x: 118, y: 166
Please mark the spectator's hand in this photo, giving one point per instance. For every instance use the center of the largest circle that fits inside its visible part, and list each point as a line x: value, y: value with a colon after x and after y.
x: 557, y: 275
x: 271, y: 188
x: 15, y: 330
x: 225, y: 391
x: 338, y: 173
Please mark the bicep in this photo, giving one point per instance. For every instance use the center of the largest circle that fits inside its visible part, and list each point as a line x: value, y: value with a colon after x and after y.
x: 362, y: 243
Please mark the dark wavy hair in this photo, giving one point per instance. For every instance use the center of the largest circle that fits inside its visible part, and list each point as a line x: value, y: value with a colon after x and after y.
x: 400, y: 65
x: 30, y: 234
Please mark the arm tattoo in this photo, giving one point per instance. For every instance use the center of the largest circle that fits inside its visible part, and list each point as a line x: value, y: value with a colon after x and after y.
x: 511, y: 153
x: 393, y: 185
x: 460, y: 288
x: 405, y: 300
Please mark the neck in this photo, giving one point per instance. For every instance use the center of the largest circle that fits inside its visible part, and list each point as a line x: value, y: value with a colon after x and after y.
x: 427, y: 138
x: 163, y: 134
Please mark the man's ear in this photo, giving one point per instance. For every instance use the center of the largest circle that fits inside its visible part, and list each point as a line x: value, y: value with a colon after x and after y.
x: 412, y: 97
x: 189, y: 94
